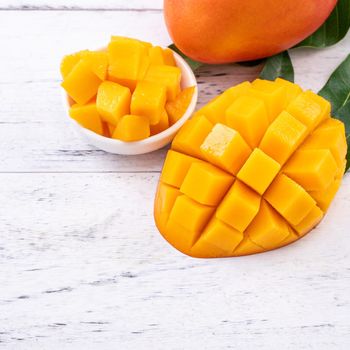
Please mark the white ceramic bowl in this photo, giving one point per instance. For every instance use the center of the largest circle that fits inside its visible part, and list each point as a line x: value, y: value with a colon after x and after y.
x: 152, y: 143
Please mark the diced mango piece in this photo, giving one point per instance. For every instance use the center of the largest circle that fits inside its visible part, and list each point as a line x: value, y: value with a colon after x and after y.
x: 268, y: 229
x: 291, y: 90
x: 216, y: 108
x: 272, y: 94
x: 190, y: 214
x: 166, y: 75
x: 324, y: 197
x: 156, y: 55
x: 97, y: 61
x: 225, y: 148
x: 289, y: 199
x: 191, y: 136
x: 313, y: 169
x: 205, y: 183
x: 221, y: 236
x: 247, y: 247
x: 177, y: 108
x: 310, y: 221
x: 162, y: 125
x: 87, y: 116
x: 168, y: 57
x: 239, y: 206
x: 81, y: 84
x: 329, y: 135
x: 148, y: 100
x: 248, y: 116
x: 125, y: 57
x: 175, y: 168
x: 282, y: 137
x: 310, y: 109
x: 167, y: 197
x: 124, y: 39
x: 259, y: 171
x: 69, y: 62
x: 113, y: 101
x: 132, y: 128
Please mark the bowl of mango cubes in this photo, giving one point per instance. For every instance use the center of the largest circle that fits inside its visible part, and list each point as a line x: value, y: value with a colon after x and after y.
x: 129, y: 98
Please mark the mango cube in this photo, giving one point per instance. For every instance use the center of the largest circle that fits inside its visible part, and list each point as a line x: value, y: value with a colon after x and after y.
x: 175, y: 168
x: 98, y: 62
x: 248, y: 116
x: 329, y: 135
x: 191, y: 136
x: 168, y: 57
x: 69, y: 62
x: 165, y: 75
x: 148, y: 100
x: 324, y: 197
x: 314, y: 170
x: 81, y: 84
x: 87, y: 116
x: 256, y: 169
x: 125, y: 58
x: 205, y: 183
x: 177, y: 108
x: 132, y: 128
x: 267, y: 228
x: 196, y: 215
x: 225, y: 148
x: 162, y: 124
x: 291, y: 90
x: 156, y: 55
x: 221, y: 236
x: 310, y: 109
x: 310, y: 221
x: 294, y: 203
x: 272, y: 94
x: 113, y: 101
x: 259, y: 171
x: 239, y: 206
x: 215, y: 110
x: 282, y: 137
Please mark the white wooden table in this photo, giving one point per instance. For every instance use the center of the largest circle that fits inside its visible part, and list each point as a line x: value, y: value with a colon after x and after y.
x: 82, y: 265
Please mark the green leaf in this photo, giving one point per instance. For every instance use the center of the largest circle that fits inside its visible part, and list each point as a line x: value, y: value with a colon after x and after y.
x: 337, y: 92
x: 251, y: 63
x: 193, y: 64
x: 337, y: 88
x: 333, y: 29
x: 279, y: 65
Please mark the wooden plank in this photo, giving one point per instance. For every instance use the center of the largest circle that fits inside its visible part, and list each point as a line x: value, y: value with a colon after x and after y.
x: 83, y: 266
x: 80, y: 5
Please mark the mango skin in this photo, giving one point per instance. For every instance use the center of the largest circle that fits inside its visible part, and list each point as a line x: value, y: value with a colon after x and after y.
x: 234, y: 30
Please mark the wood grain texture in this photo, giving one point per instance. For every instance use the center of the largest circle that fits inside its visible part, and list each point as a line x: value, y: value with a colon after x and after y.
x: 82, y: 265
x: 90, y: 5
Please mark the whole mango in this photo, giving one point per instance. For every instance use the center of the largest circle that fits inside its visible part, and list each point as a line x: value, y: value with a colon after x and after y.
x: 239, y: 30
x: 253, y: 170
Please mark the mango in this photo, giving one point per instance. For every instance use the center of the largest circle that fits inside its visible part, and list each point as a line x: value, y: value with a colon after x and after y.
x: 132, y: 128
x: 87, y: 116
x: 177, y: 108
x: 113, y: 101
x: 148, y: 100
x: 253, y: 170
x: 130, y: 78
x: 236, y: 30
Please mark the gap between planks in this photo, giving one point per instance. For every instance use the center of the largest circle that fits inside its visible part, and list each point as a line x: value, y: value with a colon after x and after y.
x: 77, y: 9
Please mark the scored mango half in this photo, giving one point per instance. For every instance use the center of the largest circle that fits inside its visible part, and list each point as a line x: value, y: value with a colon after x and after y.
x: 253, y: 170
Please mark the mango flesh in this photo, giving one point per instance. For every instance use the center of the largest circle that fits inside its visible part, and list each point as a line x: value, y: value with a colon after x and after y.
x: 235, y: 185
x: 130, y: 78
x: 236, y: 30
